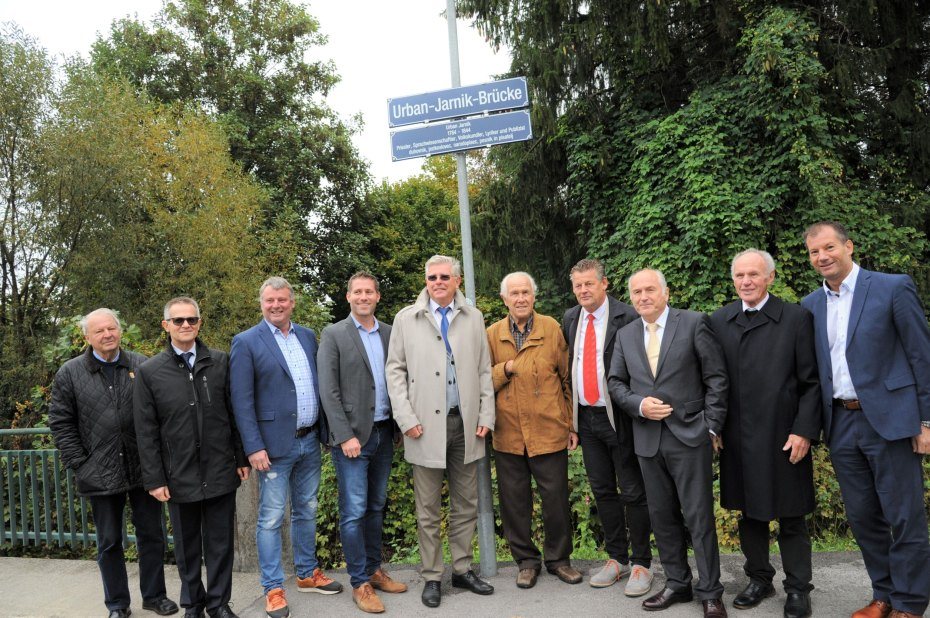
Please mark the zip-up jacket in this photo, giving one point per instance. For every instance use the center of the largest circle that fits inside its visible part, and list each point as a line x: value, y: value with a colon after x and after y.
x: 92, y: 424
x: 185, y: 426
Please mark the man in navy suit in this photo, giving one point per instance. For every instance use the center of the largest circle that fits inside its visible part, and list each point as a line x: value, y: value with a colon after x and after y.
x: 275, y: 396
x: 873, y: 354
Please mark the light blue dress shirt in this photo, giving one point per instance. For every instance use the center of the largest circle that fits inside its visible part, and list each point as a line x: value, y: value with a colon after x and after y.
x: 296, y: 358
x: 371, y: 339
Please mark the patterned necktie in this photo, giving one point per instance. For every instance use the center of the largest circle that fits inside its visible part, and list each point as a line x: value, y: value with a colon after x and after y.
x: 592, y: 391
x: 187, y: 360
x: 652, y: 347
x: 444, y: 327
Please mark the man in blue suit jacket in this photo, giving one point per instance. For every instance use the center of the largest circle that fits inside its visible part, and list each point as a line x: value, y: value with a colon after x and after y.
x: 275, y: 397
x: 873, y: 354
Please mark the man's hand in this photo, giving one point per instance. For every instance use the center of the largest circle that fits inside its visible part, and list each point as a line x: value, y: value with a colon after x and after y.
x: 161, y: 493
x: 243, y: 473
x: 508, y: 368
x: 572, y: 440
x: 259, y: 460
x: 716, y: 442
x: 654, y: 409
x: 799, y: 447
x: 921, y: 442
x: 414, y: 432
x: 351, y: 448
x: 482, y: 431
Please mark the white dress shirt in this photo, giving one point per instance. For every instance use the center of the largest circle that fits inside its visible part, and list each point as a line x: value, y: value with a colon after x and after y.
x: 600, y: 332
x: 839, y: 306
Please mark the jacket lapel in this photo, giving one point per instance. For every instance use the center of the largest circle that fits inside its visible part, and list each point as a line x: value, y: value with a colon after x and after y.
x: 671, y: 325
x: 264, y: 333
x: 356, y: 337
x: 855, y: 312
x: 819, y: 309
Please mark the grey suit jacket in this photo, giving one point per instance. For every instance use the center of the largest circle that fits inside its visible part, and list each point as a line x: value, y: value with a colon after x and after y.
x: 691, y: 376
x: 347, y: 386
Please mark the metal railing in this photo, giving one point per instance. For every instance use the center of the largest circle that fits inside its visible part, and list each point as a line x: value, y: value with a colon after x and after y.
x: 39, y: 500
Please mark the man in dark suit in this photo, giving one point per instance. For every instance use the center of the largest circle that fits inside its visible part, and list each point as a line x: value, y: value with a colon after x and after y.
x: 606, y: 438
x: 361, y: 431
x: 873, y: 352
x: 669, y: 375
x: 275, y: 396
x: 773, y: 414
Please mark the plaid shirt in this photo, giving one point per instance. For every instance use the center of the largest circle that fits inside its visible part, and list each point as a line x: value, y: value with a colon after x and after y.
x: 518, y: 337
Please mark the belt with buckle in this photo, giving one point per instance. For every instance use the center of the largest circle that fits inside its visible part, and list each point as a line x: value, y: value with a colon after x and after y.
x: 849, y: 404
x: 302, y: 431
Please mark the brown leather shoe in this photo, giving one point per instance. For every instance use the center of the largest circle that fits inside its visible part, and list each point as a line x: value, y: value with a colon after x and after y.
x: 366, y: 599
x: 526, y: 578
x: 875, y: 609
x: 897, y: 613
x: 567, y: 574
x: 383, y: 582
x: 713, y: 608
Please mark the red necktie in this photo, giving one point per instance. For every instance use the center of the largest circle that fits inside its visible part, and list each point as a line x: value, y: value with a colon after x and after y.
x: 591, y: 391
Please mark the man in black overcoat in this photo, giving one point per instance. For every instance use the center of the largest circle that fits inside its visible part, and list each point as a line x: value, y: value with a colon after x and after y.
x: 766, y: 469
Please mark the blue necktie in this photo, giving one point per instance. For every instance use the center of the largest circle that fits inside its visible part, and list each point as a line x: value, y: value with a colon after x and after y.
x: 187, y: 359
x: 444, y: 327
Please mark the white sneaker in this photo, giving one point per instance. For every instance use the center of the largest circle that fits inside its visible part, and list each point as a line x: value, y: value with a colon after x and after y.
x: 608, y: 574
x: 639, y: 583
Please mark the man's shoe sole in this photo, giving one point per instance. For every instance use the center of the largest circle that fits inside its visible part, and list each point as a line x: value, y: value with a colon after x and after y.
x: 319, y: 590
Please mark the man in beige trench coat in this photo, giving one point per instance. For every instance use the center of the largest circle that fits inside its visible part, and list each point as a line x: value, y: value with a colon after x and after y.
x: 439, y: 381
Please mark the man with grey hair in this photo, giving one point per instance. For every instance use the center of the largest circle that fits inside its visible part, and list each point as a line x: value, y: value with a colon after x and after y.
x: 191, y: 455
x: 275, y: 395
x: 668, y: 374
x: 533, y: 430
x: 90, y: 415
x: 439, y: 381
x: 773, y: 415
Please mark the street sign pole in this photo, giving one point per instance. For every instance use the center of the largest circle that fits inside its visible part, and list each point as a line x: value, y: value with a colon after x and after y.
x: 486, y: 544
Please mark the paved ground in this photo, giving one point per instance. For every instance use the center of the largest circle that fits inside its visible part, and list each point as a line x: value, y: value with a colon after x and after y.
x: 71, y: 589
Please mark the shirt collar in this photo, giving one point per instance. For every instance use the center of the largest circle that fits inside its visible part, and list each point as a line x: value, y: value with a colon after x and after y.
x: 526, y: 329
x: 849, y: 282
x: 759, y: 306
x: 181, y: 352
x: 598, y: 313
x: 102, y: 360
x: 434, y: 306
x: 662, y: 319
x: 359, y: 325
x: 275, y: 330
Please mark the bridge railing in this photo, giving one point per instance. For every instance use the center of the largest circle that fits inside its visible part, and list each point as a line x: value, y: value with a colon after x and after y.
x: 40, y: 503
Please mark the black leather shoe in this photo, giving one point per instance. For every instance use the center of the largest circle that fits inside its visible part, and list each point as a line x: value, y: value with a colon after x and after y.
x: 162, y: 606
x: 798, y: 605
x: 223, y: 611
x: 432, y: 594
x: 469, y: 580
x: 753, y: 594
x: 666, y: 599
x: 122, y: 612
x: 194, y: 612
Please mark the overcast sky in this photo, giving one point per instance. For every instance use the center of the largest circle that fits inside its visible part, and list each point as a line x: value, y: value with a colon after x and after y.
x: 381, y: 49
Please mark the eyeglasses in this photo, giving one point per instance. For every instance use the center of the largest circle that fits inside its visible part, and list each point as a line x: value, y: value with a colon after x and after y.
x: 180, y: 321
x: 440, y: 277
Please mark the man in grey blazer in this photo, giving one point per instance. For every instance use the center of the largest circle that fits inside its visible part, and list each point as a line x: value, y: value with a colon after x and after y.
x: 668, y: 372
x: 361, y: 431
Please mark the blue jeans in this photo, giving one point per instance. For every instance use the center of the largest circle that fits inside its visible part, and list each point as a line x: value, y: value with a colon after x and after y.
x: 298, y: 472
x: 363, y: 484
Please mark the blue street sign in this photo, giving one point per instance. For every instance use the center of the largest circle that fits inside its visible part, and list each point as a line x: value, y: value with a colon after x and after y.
x: 457, y: 102
x: 461, y: 135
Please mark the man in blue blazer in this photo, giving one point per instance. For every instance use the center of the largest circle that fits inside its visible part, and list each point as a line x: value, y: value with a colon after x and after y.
x: 873, y: 354
x: 275, y: 397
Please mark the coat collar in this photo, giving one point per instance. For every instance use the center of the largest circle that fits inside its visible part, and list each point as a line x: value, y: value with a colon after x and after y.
x: 461, y: 303
x: 94, y: 365
x: 770, y: 312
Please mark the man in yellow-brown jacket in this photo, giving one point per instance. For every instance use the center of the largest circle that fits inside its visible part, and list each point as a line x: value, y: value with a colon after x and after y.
x: 533, y: 430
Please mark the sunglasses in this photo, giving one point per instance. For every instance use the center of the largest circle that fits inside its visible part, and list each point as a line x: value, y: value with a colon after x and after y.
x: 440, y: 277
x: 180, y: 321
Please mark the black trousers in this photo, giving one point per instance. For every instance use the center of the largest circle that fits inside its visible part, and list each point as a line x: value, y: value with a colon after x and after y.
x: 610, y: 462
x: 146, y: 517
x: 550, y: 470
x: 205, y: 531
x: 794, y: 541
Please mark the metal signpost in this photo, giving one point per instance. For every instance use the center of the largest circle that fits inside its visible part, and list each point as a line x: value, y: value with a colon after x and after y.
x: 476, y: 117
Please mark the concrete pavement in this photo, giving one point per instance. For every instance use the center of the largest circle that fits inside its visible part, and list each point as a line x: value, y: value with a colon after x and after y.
x: 71, y: 589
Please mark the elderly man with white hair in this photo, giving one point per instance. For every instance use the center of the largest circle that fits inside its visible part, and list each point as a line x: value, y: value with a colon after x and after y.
x: 90, y: 416
x: 533, y: 430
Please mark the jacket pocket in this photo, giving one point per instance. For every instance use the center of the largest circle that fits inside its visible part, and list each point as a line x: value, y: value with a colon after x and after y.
x: 264, y: 415
x: 899, y: 381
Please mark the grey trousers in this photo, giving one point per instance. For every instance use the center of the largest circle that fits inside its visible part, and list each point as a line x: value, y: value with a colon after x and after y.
x: 463, y: 505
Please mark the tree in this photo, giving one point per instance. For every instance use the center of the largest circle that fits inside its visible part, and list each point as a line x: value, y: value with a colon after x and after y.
x: 244, y: 63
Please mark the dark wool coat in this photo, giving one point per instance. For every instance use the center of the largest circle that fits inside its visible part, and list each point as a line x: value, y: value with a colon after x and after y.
x: 774, y: 392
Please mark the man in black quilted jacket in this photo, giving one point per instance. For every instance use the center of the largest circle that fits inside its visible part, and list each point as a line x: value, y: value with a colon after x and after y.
x: 90, y: 415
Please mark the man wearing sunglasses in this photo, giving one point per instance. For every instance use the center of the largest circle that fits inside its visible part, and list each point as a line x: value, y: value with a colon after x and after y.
x: 439, y: 381
x: 191, y: 455
x: 275, y: 395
